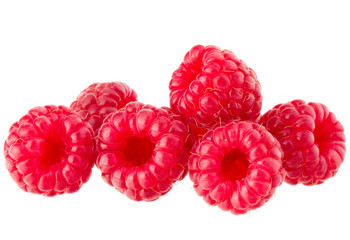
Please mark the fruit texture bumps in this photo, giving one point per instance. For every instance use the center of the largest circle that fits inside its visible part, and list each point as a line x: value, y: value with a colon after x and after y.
x: 312, y: 138
x: 142, y: 151
x: 214, y: 86
x: 236, y: 167
x: 49, y: 151
x: 100, y: 99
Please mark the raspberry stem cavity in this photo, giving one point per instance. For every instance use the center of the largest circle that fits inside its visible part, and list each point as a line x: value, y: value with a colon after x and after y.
x: 54, y: 151
x: 234, y: 165
x: 138, y: 150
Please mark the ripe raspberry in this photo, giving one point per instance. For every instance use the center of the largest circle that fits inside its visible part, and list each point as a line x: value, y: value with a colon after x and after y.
x: 237, y: 166
x: 142, y: 151
x: 312, y: 138
x: 214, y: 86
x: 100, y: 99
x: 49, y: 151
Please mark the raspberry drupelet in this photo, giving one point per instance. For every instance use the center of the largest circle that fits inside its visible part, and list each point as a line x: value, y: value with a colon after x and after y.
x: 49, y: 151
x: 143, y: 150
x: 236, y: 167
x: 312, y: 138
x: 214, y: 86
x: 100, y: 99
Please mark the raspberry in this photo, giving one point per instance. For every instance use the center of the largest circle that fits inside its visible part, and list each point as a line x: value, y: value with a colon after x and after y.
x: 237, y: 166
x: 100, y: 99
x: 142, y: 151
x: 214, y: 86
x: 49, y: 151
x: 312, y: 138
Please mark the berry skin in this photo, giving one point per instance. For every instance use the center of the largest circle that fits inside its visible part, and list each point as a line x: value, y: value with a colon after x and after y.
x: 312, y: 138
x: 236, y: 167
x: 143, y: 150
x: 214, y: 86
x: 100, y: 99
x: 49, y: 151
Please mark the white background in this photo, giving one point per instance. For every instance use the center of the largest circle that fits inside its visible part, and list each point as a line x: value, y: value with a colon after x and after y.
x: 51, y: 50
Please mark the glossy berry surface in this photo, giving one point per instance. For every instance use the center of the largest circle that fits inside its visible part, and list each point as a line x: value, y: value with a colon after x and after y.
x: 236, y: 167
x: 214, y: 86
x: 312, y: 138
x: 100, y: 99
x: 49, y: 151
x: 143, y: 150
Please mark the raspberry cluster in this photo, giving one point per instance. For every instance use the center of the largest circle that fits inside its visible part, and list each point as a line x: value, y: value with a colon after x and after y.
x: 220, y: 99
x: 213, y: 130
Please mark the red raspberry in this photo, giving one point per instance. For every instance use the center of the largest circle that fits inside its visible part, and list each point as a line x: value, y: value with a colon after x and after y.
x: 142, y: 151
x: 237, y: 166
x: 312, y: 138
x: 100, y: 99
x: 214, y: 86
x: 49, y: 151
